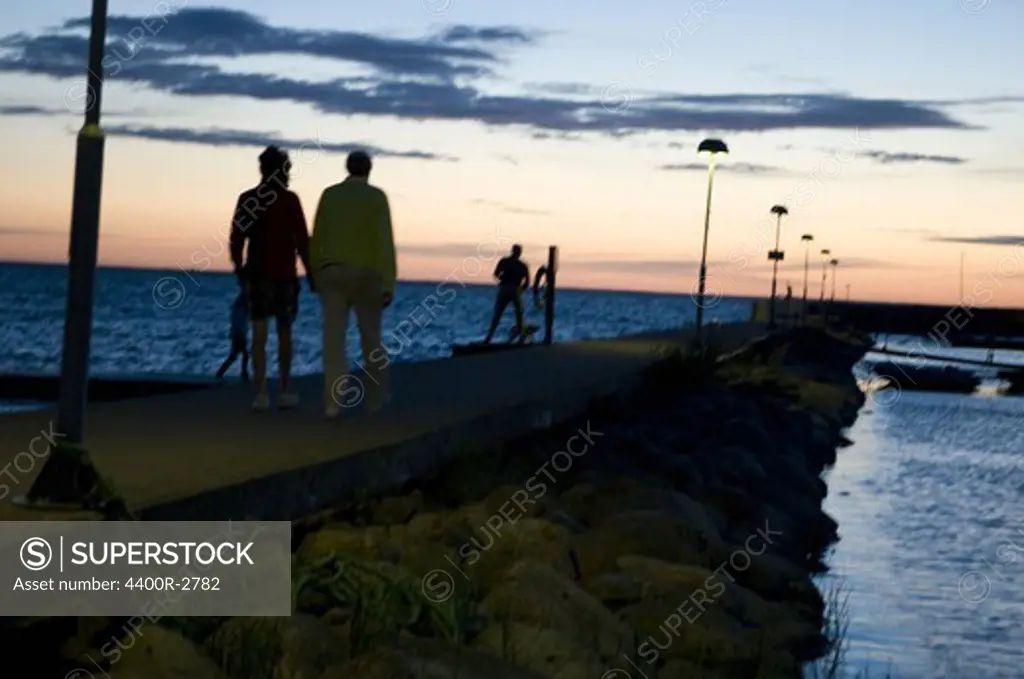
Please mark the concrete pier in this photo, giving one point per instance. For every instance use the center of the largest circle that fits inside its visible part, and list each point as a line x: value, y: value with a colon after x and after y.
x: 202, y: 454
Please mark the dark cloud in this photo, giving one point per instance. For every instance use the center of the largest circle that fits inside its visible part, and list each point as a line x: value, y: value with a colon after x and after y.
x: 16, y: 110
x: 741, y: 168
x: 887, y: 158
x: 510, y: 209
x: 432, y: 78
x: 493, y: 34
x: 981, y: 240
x: 227, y: 137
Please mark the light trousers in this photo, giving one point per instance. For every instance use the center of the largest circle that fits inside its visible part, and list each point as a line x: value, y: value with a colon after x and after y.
x: 342, y: 289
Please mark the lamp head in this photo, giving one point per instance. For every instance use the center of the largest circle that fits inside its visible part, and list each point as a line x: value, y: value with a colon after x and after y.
x: 779, y: 210
x: 807, y: 237
x: 826, y: 253
x: 834, y: 262
x: 712, y: 146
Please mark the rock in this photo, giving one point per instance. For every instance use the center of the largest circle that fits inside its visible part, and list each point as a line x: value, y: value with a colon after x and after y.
x: 646, y: 533
x: 538, y: 596
x: 547, y: 651
x: 512, y: 501
x: 299, y: 647
x: 397, y: 509
x: 615, y: 590
x: 486, y: 557
x: 427, y: 659
x: 158, y: 653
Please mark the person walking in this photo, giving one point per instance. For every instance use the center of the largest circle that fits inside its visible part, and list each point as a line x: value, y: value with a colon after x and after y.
x: 270, y: 218
x: 353, y: 255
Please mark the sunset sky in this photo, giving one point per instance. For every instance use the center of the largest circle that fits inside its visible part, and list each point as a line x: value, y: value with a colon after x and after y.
x: 893, y: 132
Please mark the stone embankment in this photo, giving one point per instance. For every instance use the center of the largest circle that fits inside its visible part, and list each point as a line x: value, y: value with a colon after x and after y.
x: 670, y: 533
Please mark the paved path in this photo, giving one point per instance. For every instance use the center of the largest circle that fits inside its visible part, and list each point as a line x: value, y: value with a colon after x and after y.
x: 165, y: 449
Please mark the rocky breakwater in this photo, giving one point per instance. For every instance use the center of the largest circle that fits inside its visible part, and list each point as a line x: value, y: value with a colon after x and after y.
x: 670, y: 533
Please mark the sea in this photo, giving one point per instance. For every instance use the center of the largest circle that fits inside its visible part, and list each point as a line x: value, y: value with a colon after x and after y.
x: 929, y: 497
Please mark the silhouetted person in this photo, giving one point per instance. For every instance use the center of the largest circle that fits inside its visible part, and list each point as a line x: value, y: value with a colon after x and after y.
x: 513, y: 278
x: 270, y: 218
x: 239, y: 337
x: 353, y: 254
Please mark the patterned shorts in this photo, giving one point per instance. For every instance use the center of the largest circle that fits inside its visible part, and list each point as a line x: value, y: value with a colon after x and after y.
x: 279, y: 299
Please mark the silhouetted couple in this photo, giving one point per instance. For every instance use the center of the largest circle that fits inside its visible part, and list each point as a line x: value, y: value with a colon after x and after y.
x: 349, y: 263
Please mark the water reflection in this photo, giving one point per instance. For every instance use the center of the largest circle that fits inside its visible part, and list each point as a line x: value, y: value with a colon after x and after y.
x: 929, y: 505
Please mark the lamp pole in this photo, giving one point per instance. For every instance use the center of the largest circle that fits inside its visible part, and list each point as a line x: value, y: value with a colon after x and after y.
x: 712, y: 147
x: 85, y: 223
x: 806, y: 238
x: 835, y: 267
x: 824, y: 276
x: 775, y: 256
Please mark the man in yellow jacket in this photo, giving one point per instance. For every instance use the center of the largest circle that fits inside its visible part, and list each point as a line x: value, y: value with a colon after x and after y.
x: 353, y: 259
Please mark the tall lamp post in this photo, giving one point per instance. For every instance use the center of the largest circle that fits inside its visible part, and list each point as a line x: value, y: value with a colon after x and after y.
x: 806, y: 239
x: 835, y: 266
x: 85, y: 227
x: 776, y: 256
x: 825, y: 254
x: 712, y: 147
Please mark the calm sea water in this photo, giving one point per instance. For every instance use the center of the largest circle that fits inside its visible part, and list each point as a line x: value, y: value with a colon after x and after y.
x: 177, y: 322
x: 930, y: 505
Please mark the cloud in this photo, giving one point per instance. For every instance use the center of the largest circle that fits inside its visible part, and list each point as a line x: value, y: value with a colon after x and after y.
x: 741, y: 168
x: 981, y: 240
x: 510, y: 209
x: 493, y: 34
x: 228, y: 137
x: 439, y: 77
x: 887, y: 158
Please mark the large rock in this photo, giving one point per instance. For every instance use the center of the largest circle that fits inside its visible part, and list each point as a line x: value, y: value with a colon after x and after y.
x: 158, y: 653
x: 297, y: 647
x: 427, y: 659
x: 646, y: 533
x: 536, y: 595
x: 547, y: 651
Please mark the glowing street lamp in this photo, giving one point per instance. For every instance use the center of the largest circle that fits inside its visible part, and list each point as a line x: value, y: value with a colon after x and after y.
x: 712, y: 147
x: 776, y: 256
x: 806, y: 238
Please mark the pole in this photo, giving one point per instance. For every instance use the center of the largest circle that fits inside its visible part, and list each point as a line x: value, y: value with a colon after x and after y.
x: 704, y: 251
x: 775, y: 271
x: 85, y: 223
x: 549, y: 296
x: 824, y: 280
x: 847, y: 293
x: 807, y: 268
x: 834, y: 270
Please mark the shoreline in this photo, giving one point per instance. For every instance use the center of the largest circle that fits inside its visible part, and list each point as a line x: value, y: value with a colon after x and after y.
x: 669, y: 532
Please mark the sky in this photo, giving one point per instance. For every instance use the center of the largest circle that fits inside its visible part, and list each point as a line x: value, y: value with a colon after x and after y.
x: 892, y: 132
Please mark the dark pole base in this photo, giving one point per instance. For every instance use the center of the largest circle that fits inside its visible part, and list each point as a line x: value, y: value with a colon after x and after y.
x: 69, y: 482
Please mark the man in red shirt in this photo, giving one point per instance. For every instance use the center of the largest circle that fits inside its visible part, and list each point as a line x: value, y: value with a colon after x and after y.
x: 270, y: 218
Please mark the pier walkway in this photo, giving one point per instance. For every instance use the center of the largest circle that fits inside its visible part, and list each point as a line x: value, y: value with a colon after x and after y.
x: 203, y: 455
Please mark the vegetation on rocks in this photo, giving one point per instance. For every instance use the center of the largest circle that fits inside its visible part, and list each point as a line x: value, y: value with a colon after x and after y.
x: 674, y: 530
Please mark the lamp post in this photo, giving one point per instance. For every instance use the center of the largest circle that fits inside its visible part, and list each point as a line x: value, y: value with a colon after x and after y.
x: 824, y: 275
x: 775, y: 256
x: 85, y: 223
x: 835, y: 266
x: 806, y: 239
x: 847, y: 293
x: 712, y: 147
